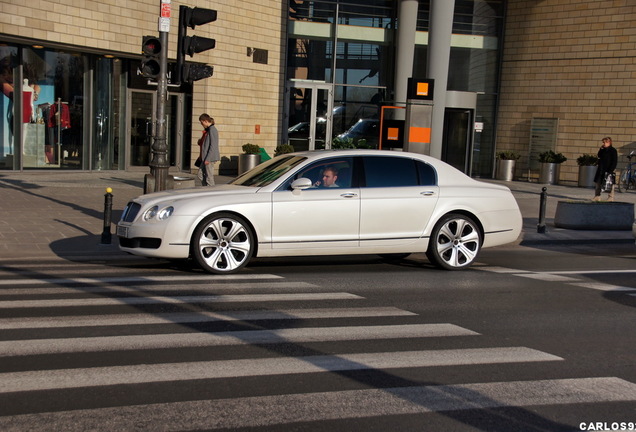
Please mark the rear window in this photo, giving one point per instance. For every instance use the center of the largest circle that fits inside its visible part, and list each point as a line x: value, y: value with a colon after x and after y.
x: 387, y: 171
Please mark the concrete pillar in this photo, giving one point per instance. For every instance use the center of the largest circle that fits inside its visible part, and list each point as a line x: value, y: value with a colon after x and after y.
x: 439, y: 43
x: 406, y: 26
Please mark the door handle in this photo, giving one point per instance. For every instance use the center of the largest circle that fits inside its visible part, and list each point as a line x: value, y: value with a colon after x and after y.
x: 427, y: 193
x: 349, y: 195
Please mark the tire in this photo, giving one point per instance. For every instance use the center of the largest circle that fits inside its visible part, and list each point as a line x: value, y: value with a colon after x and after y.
x: 223, y: 243
x: 455, y: 242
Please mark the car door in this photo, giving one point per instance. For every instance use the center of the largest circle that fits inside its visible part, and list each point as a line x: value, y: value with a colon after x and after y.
x: 397, y: 199
x: 317, y: 217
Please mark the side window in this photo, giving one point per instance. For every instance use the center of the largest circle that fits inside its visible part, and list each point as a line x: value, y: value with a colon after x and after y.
x: 387, y: 171
x: 327, y: 173
x: 427, y: 174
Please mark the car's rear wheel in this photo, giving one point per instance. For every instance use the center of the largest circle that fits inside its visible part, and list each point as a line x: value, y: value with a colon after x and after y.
x: 223, y: 243
x: 455, y: 242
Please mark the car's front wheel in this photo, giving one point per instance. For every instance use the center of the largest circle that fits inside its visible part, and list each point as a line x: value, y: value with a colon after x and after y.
x: 223, y: 243
x: 455, y: 242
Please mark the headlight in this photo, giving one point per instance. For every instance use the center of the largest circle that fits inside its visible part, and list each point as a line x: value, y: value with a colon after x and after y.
x: 154, y: 212
x: 150, y: 213
x: 165, y: 213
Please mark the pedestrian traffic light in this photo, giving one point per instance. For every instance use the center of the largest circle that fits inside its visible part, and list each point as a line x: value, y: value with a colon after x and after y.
x: 190, y: 45
x: 151, y: 49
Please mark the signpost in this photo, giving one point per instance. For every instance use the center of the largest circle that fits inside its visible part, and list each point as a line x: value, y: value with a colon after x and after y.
x: 159, y: 163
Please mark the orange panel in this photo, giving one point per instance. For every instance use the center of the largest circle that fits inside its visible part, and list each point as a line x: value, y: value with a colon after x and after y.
x: 422, y: 89
x: 392, y: 134
x: 420, y: 135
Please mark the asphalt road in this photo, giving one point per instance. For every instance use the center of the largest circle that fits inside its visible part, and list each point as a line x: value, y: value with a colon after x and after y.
x: 529, y: 339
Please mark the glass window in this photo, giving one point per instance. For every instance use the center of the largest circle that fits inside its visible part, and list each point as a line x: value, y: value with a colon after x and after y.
x: 268, y: 171
x: 53, y: 120
x: 8, y: 62
x: 428, y: 176
x: 329, y: 173
x: 109, y: 139
x: 387, y: 171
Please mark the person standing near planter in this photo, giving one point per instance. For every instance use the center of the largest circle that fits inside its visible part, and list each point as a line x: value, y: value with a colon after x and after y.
x: 607, y: 160
x: 209, y: 150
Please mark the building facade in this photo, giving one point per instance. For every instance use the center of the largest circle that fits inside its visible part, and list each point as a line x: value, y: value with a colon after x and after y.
x: 571, y: 65
x: 314, y: 74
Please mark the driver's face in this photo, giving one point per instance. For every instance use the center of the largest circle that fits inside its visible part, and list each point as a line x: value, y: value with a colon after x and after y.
x: 328, y: 178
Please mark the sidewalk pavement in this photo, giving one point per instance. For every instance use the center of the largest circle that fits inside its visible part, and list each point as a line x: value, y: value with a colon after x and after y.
x: 61, y: 213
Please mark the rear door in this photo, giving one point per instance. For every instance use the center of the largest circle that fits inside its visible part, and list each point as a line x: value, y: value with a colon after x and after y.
x: 397, y: 199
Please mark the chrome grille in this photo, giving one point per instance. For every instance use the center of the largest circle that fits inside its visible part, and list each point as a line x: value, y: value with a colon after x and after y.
x: 130, y: 212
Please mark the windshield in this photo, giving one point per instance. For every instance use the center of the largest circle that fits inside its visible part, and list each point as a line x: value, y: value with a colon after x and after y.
x: 267, y: 172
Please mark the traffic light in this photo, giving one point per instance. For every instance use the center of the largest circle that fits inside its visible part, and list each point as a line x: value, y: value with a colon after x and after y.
x: 151, y: 49
x: 190, y: 45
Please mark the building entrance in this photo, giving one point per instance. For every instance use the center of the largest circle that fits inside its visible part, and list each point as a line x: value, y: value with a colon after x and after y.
x: 309, y: 108
x: 141, y: 123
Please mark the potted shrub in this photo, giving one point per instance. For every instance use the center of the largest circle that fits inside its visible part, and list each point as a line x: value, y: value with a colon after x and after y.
x: 550, y: 166
x: 587, y: 169
x: 506, y: 161
x: 250, y: 158
x: 283, y: 148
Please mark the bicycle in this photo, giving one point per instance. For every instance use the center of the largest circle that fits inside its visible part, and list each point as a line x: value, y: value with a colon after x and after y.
x: 628, y: 176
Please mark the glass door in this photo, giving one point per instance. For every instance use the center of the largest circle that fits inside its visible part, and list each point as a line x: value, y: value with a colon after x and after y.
x: 457, y: 141
x: 141, y: 125
x: 141, y: 121
x: 309, y: 117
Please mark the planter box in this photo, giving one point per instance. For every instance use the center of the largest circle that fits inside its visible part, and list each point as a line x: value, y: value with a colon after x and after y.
x: 594, y: 215
x: 247, y: 161
x: 505, y: 169
x: 549, y: 173
x: 586, y: 176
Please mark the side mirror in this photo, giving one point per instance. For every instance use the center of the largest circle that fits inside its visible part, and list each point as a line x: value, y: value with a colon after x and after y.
x: 301, y: 183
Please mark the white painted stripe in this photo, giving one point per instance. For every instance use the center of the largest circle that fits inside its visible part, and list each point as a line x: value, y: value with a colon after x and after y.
x: 93, y: 289
x: 246, y: 337
x: 504, y: 270
x: 138, y: 279
x: 603, y: 286
x: 263, y: 411
x: 197, y: 317
x: 600, y: 271
x: 292, y: 408
x: 548, y: 277
x: 17, y: 304
x: 153, y: 373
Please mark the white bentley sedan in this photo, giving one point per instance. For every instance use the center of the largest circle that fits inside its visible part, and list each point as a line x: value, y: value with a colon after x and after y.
x: 330, y: 202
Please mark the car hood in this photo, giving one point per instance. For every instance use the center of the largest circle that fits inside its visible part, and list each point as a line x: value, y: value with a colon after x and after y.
x: 197, y: 192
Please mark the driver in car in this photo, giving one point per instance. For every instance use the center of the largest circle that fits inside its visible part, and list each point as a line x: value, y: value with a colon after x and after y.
x: 329, y: 177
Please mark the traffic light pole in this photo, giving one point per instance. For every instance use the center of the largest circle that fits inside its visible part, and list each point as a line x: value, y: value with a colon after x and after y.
x: 159, y: 163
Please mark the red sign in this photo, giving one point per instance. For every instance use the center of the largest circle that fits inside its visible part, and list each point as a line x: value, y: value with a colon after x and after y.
x: 165, y: 10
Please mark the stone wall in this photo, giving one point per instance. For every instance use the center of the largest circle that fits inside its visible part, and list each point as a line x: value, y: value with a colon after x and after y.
x: 574, y: 60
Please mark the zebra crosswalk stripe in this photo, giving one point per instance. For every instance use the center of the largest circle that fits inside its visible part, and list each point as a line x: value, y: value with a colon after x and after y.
x: 22, y: 304
x: 138, y: 374
x: 261, y: 411
x: 198, y: 317
x: 182, y: 340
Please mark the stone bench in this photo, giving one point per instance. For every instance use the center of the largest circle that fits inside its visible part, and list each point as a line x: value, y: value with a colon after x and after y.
x: 594, y: 215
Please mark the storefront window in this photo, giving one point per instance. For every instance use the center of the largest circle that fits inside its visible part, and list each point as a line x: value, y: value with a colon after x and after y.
x: 8, y: 62
x: 53, y: 110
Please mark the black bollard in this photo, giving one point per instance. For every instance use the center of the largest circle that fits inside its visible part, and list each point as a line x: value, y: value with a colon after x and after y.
x: 108, y: 211
x: 542, y: 206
